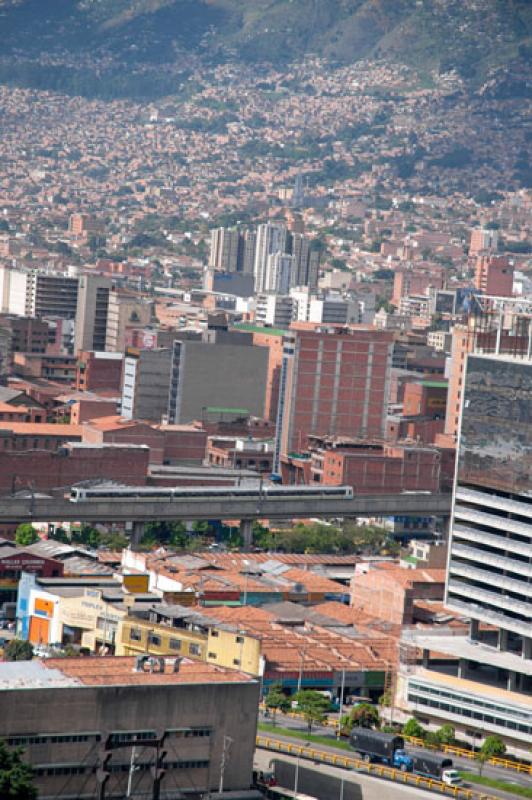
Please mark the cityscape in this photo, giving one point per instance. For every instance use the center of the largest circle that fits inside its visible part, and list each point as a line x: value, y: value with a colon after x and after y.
x: 265, y: 400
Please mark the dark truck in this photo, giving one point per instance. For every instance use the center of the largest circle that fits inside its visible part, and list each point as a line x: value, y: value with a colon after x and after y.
x: 384, y: 747
x: 436, y: 767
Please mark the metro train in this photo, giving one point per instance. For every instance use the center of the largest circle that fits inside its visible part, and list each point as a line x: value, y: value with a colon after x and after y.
x: 86, y: 494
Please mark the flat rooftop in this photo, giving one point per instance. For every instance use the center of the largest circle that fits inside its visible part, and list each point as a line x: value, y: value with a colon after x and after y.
x: 461, y: 646
x: 64, y: 673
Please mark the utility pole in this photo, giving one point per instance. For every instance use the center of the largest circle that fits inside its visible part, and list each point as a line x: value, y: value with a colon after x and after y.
x: 340, y: 711
x: 300, y: 677
x: 296, y: 779
x: 132, y: 769
x: 228, y: 741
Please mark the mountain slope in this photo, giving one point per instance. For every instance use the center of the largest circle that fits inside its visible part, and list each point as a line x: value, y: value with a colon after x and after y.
x: 466, y: 35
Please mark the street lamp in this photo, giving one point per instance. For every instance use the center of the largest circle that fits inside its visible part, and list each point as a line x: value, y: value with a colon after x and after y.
x: 245, y: 562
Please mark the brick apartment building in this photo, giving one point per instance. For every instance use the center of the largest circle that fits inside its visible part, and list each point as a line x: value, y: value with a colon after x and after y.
x: 74, y: 462
x: 99, y: 371
x: 375, y: 467
x: 335, y: 382
x: 168, y: 444
x: 494, y: 275
x: 388, y: 592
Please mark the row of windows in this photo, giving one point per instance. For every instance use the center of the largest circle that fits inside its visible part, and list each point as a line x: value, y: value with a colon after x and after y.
x: 122, y: 736
x: 135, y: 635
x: 16, y: 741
x: 79, y: 769
x: 470, y: 700
x: 461, y: 711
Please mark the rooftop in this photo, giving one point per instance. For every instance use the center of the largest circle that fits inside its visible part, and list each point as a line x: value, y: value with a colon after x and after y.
x: 109, y: 671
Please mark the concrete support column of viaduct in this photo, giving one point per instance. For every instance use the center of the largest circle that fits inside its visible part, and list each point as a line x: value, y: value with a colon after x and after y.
x: 246, y: 532
x: 137, y: 532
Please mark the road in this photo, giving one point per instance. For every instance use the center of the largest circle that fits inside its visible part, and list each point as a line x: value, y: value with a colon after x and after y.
x: 329, y: 779
x: 498, y: 773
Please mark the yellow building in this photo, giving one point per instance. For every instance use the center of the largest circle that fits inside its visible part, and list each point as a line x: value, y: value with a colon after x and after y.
x: 89, y: 620
x: 222, y: 645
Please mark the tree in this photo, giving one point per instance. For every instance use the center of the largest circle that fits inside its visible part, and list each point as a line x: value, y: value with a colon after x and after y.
x: 91, y: 537
x: 18, y: 650
x: 365, y: 716
x: 446, y: 734
x: 492, y: 746
x: 313, y: 706
x: 26, y: 535
x: 413, y: 728
x: 275, y: 700
x: 16, y: 777
x: 59, y: 535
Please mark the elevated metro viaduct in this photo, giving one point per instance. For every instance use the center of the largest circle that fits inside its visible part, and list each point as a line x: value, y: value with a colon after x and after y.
x: 139, y: 511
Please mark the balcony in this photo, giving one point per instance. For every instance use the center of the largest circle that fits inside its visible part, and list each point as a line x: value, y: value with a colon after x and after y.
x: 492, y: 540
x: 499, y: 562
x: 490, y: 578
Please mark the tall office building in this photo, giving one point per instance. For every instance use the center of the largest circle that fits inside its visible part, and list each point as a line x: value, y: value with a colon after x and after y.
x: 248, y: 258
x: 334, y: 381
x: 91, y: 313
x: 37, y: 293
x: 229, y: 373
x: 278, y: 275
x: 271, y: 238
x: 227, y: 250
x: 145, y: 383
x: 125, y: 312
x: 307, y: 261
x: 494, y: 275
x: 489, y: 566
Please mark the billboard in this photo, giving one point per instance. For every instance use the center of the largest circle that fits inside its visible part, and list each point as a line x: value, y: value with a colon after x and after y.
x: 136, y: 584
x: 496, y: 432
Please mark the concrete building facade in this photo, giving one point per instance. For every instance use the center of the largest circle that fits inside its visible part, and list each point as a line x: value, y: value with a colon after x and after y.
x: 80, y: 725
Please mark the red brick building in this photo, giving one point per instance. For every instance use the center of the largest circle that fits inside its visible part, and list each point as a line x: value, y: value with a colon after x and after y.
x: 494, y: 275
x: 388, y: 592
x: 374, y: 467
x: 73, y: 463
x: 97, y: 371
x: 168, y: 443
x: 337, y: 384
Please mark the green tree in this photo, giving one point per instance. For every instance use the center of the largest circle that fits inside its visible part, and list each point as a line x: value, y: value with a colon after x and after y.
x: 276, y: 700
x: 313, y: 706
x: 26, y: 535
x: 364, y: 716
x: 492, y: 746
x: 90, y: 537
x: 446, y: 734
x: 165, y: 533
x: 413, y: 728
x: 59, y: 535
x: 18, y: 650
x: 16, y: 777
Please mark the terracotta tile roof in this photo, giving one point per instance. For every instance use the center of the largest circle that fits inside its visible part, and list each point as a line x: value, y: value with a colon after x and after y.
x: 409, y: 577
x: 120, y: 670
x: 112, y: 423
x: 41, y: 429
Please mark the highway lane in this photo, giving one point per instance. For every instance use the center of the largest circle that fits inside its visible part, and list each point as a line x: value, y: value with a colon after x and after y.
x: 497, y: 773
x: 356, y: 785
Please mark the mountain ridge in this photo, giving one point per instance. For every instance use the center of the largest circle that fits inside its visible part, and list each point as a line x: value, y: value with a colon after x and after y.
x: 430, y: 36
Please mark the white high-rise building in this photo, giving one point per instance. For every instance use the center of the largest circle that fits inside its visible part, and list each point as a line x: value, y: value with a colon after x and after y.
x: 278, y: 275
x: 271, y: 238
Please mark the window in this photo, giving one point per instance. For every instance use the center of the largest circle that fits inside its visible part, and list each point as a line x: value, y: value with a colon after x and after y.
x: 175, y: 644
x: 236, y: 662
x: 214, y: 633
x: 240, y: 640
x: 212, y: 655
x: 155, y: 639
x: 135, y: 635
x: 194, y: 649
